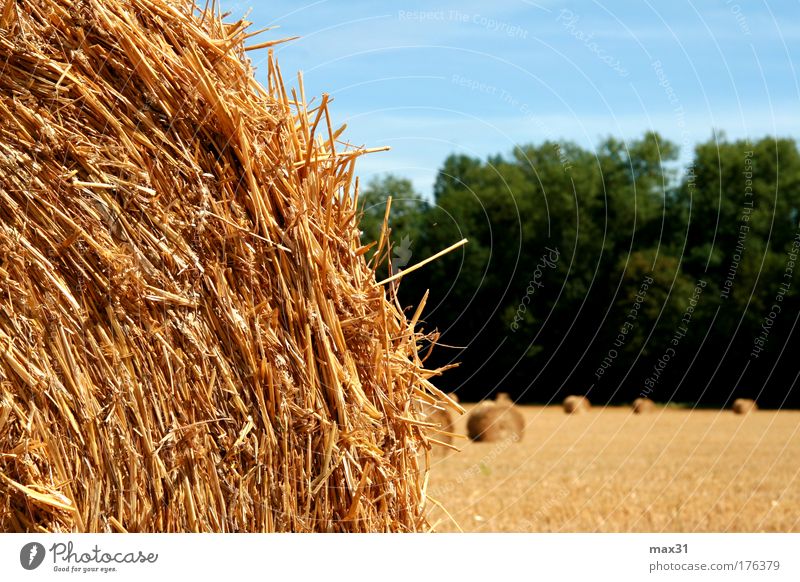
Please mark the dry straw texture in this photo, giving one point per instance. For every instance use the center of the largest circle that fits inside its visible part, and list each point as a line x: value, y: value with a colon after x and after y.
x: 643, y: 406
x: 442, y: 419
x: 191, y: 336
x: 744, y: 406
x: 576, y: 404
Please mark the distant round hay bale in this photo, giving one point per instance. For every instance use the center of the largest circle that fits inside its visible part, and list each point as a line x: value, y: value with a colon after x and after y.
x: 576, y: 404
x: 744, y: 406
x: 503, y: 399
x: 495, y: 421
x: 643, y: 406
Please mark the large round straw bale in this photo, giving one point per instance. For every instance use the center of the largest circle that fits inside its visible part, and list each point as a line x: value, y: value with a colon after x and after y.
x: 191, y: 336
x: 643, y: 406
x: 495, y: 421
x: 744, y: 406
x: 576, y: 404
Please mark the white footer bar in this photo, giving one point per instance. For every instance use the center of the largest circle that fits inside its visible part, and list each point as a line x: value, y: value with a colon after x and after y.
x: 349, y: 558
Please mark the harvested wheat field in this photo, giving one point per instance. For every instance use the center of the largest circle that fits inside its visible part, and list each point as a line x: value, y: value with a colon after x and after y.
x: 613, y: 471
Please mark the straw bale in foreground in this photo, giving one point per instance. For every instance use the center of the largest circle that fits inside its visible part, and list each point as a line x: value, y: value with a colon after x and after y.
x: 191, y: 337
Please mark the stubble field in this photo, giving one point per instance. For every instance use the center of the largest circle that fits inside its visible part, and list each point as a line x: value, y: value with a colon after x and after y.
x: 612, y: 471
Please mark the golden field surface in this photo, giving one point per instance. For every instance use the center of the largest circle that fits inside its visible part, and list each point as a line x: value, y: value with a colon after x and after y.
x: 612, y: 471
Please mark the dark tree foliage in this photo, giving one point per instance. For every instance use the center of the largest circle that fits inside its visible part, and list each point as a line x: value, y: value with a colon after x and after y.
x: 610, y: 273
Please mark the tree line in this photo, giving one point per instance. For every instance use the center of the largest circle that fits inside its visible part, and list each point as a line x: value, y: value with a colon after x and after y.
x: 615, y: 273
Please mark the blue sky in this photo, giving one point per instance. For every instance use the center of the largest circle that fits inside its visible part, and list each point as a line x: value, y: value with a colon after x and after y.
x: 432, y: 78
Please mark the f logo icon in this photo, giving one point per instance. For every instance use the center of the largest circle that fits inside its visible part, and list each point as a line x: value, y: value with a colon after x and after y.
x: 31, y: 555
